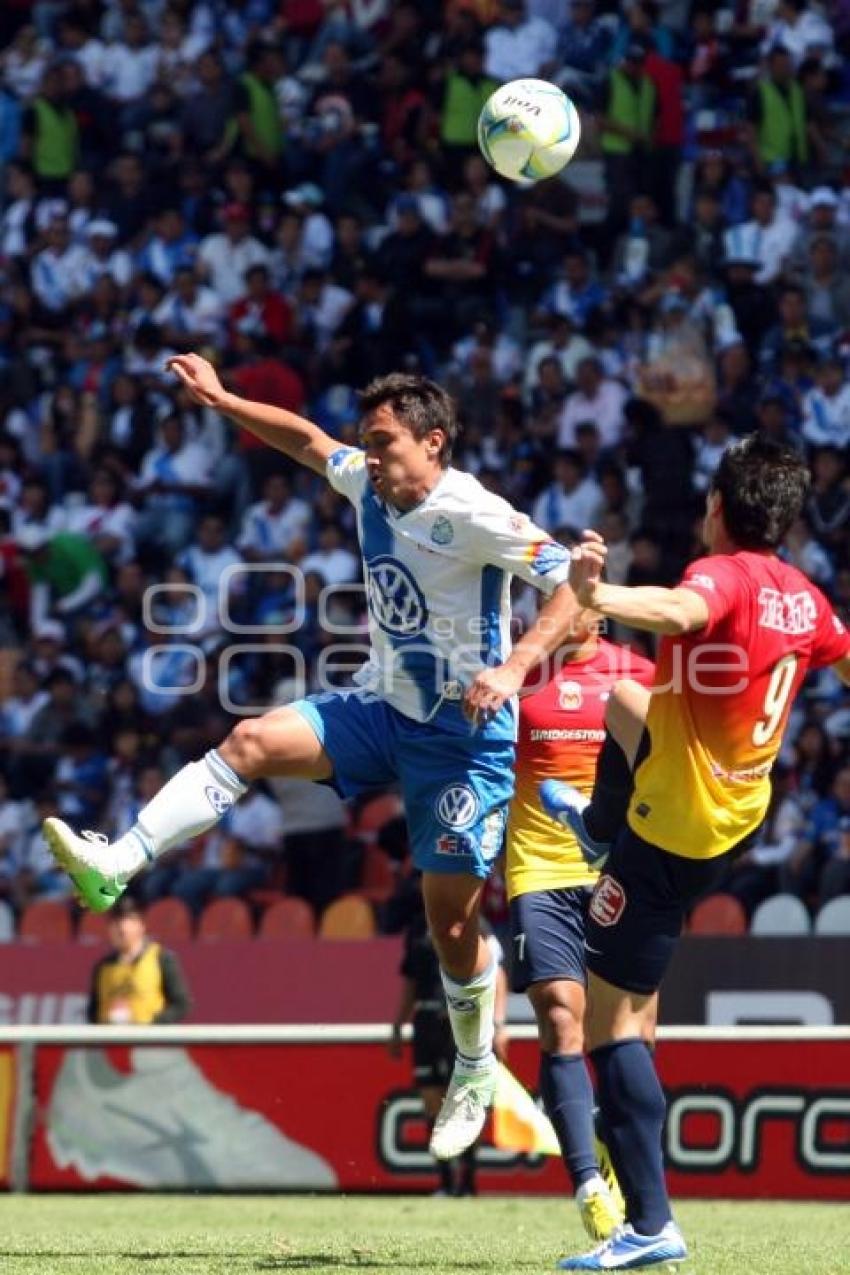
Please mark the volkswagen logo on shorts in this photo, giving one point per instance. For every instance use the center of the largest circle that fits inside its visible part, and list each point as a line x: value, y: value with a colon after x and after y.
x: 395, y: 599
x: 457, y: 806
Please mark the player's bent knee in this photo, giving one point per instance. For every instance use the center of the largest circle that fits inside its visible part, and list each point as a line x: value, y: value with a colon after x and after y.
x: 625, y: 714
x: 560, y: 1025
x: 245, y: 750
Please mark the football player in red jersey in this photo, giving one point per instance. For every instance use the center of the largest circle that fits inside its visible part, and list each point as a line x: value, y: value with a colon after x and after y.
x: 561, y: 731
x: 738, y: 635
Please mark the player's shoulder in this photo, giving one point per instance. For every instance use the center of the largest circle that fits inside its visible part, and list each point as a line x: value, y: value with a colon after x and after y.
x: 346, y: 467
x: 347, y: 457
x: 714, y: 570
x: 469, y: 494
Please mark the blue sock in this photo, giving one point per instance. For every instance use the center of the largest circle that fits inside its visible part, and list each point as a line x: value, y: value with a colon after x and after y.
x: 568, y: 1098
x: 633, y: 1108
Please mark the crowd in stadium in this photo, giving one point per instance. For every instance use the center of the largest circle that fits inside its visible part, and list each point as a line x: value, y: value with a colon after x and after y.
x: 293, y: 188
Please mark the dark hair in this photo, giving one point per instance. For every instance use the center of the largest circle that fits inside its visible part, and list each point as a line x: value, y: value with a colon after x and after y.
x: 127, y: 905
x: 762, y: 486
x: 421, y: 405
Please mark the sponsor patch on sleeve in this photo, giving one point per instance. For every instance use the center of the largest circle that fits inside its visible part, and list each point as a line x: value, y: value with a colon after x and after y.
x: 547, y: 556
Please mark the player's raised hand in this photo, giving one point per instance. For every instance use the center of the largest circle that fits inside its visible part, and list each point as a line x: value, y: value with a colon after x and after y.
x: 199, y: 377
x: 586, y: 566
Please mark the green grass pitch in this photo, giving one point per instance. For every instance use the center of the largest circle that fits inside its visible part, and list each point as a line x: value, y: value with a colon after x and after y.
x: 208, y: 1235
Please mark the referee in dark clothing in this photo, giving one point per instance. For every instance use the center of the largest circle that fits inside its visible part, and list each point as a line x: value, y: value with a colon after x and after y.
x: 138, y: 981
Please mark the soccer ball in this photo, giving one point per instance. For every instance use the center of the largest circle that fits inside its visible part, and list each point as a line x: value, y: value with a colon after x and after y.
x: 528, y: 130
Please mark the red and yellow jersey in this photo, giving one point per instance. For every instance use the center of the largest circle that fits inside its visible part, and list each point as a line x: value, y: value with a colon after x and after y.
x: 561, y: 729
x: 721, y: 699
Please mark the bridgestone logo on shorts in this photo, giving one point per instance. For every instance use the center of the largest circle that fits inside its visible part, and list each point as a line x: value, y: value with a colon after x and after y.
x: 608, y: 902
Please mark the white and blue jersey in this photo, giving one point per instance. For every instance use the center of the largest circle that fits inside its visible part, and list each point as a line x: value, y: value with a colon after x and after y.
x: 438, y: 588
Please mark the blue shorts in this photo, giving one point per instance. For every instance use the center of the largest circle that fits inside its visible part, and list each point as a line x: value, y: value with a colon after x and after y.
x: 547, y: 933
x: 455, y: 787
x: 638, y: 908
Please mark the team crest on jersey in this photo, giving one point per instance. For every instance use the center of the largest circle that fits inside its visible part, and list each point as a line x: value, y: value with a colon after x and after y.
x: 395, y: 599
x: 457, y: 806
x: 442, y: 532
x: 570, y: 697
x: 608, y: 902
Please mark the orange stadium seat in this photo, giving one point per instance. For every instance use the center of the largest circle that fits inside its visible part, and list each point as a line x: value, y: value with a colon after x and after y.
x: 376, y: 813
x: 718, y: 914
x: 93, y: 928
x: 225, y: 919
x: 348, y: 917
x: 377, y: 880
x: 46, y: 921
x: 169, y: 921
x: 288, y: 919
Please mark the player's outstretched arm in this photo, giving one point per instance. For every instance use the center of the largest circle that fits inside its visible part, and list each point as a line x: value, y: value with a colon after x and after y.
x: 553, y: 626
x: 285, y: 431
x: 647, y: 607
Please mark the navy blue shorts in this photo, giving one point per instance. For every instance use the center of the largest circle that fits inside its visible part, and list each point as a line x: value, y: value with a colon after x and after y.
x: 638, y: 908
x: 547, y: 933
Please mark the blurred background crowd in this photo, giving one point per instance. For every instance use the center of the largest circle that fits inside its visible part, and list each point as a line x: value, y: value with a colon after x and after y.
x: 293, y: 188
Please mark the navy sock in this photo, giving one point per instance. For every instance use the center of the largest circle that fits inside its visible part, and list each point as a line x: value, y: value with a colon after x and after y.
x: 612, y: 792
x: 633, y: 1108
x: 568, y: 1098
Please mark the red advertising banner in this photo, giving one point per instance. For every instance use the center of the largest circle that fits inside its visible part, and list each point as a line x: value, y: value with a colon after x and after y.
x: 755, y: 1119
x: 230, y: 982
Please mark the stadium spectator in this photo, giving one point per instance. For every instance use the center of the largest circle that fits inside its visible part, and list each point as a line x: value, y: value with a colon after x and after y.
x: 224, y: 257
x: 572, y: 499
x: 820, y: 863
x: 777, y: 109
x: 138, y: 981
x: 628, y: 126
x: 519, y: 45
x: 596, y: 398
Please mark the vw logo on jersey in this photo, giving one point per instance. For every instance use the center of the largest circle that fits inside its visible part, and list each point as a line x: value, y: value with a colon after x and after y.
x: 395, y: 599
x: 457, y: 806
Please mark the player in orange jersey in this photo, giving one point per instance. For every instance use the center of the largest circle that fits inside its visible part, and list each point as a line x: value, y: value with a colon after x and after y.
x: 561, y: 731
x: 738, y: 636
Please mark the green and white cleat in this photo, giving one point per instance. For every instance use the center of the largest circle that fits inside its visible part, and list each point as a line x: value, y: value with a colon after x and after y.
x: 463, y: 1113
x: 85, y: 859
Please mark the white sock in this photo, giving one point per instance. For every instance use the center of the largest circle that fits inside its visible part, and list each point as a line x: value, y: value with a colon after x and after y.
x: 193, y: 800
x: 471, y: 1013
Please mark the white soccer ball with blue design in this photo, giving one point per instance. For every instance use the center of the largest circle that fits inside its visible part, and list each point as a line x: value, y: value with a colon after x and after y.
x: 528, y: 130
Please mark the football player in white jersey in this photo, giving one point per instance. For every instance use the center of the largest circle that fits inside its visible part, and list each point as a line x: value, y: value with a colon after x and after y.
x: 434, y: 710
